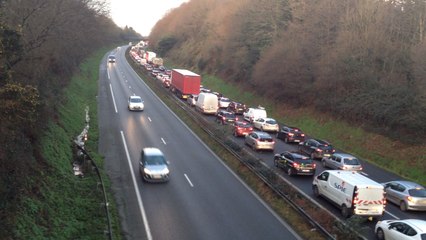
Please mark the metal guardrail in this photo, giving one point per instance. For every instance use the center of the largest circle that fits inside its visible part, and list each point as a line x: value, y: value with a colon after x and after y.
x: 80, y: 145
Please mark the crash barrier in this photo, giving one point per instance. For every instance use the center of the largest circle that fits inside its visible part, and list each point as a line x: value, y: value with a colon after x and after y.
x: 78, y: 167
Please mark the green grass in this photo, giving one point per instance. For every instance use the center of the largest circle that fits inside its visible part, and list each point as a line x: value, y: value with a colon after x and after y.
x: 401, y: 158
x: 66, y: 206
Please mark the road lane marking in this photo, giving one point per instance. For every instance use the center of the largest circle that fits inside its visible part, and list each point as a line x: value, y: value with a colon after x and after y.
x: 162, y: 139
x: 113, y: 99
x: 138, y: 195
x: 109, y: 78
x: 149, y: 119
x: 187, y: 179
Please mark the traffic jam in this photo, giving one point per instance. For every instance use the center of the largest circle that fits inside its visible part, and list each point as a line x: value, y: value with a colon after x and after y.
x: 340, y: 181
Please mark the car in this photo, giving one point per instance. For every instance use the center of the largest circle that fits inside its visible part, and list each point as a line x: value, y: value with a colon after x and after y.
x: 236, y: 107
x: 111, y: 58
x: 316, y: 148
x: 412, y: 229
x: 192, y: 99
x: 406, y: 194
x: 148, y: 67
x: 260, y: 141
x: 253, y: 113
x: 205, y: 90
x: 295, y: 163
x: 224, y: 102
x: 153, y: 165
x: 225, y: 117
x: 291, y: 134
x: 135, y: 103
x: 155, y: 72
x: 242, y: 128
x: 167, y: 83
x: 342, y: 161
x: 266, y: 124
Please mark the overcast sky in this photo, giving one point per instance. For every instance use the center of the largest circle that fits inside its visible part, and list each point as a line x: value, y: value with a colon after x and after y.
x: 141, y: 15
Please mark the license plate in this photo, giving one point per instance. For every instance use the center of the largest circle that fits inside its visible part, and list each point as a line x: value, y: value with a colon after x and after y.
x: 327, y: 155
x: 296, y: 140
x: 305, y: 170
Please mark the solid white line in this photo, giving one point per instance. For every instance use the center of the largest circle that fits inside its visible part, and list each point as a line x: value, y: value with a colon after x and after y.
x: 109, y: 78
x: 187, y: 178
x: 113, y: 99
x: 162, y: 139
x: 138, y: 195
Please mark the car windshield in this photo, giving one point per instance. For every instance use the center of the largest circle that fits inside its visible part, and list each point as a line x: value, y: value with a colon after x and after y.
x: 155, y: 160
x: 417, y: 192
x: 326, y: 147
x: 351, y: 161
x: 225, y: 100
x: 266, y: 139
x: 135, y: 100
x: 229, y: 115
x: 304, y: 160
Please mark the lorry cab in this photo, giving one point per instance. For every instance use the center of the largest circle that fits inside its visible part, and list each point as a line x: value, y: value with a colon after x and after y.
x: 352, y: 192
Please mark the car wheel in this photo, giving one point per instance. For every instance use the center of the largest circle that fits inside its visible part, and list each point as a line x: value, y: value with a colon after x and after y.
x: 254, y: 147
x: 312, y: 156
x: 235, y: 134
x: 286, y: 140
x: 290, y: 171
x: 324, y: 164
x: 261, y: 129
x: 276, y: 162
x: 345, y: 211
x: 403, y: 206
x: 316, y: 191
x: 380, y: 235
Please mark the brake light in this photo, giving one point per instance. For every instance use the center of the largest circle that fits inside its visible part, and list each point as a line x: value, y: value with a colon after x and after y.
x: 296, y: 165
x: 355, y: 200
x: 291, y: 134
x: 318, y: 150
x: 333, y: 150
x: 236, y: 119
x: 302, y: 134
x: 314, y: 165
x: 223, y: 118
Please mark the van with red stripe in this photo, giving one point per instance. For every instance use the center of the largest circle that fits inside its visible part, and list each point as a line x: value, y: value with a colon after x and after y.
x: 352, y: 192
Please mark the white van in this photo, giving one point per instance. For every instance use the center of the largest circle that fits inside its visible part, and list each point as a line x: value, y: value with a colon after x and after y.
x: 254, y: 113
x: 207, y: 103
x: 352, y: 192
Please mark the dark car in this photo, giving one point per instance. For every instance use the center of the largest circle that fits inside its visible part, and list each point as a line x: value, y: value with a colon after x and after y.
x: 316, y: 148
x: 224, y: 117
x: 295, y: 163
x: 242, y: 128
x: 236, y: 107
x: 291, y: 134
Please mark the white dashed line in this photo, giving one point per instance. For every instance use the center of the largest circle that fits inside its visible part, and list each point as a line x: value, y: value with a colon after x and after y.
x: 189, y: 181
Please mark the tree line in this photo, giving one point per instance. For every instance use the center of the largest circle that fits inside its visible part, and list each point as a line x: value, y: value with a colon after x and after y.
x: 362, y: 61
x: 42, y: 42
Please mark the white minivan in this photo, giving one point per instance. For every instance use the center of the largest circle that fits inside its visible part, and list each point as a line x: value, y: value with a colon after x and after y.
x: 207, y: 103
x: 352, y: 192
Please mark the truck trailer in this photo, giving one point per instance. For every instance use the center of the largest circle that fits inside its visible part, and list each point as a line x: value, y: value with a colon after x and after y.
x: 185, y: 83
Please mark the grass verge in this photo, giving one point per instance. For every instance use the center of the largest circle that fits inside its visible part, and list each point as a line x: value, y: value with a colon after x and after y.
x: 66, y: 206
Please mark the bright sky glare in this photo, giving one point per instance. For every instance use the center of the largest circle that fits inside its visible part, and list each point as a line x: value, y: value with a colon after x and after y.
x: 141, y: 15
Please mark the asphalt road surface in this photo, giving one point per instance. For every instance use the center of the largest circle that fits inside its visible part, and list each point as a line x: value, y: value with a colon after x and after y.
x: 202, y: 200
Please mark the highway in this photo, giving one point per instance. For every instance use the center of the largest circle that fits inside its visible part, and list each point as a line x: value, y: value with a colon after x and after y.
x: 202, y: 200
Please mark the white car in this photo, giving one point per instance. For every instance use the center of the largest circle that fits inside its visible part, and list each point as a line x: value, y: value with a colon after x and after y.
x: 224, y: 102
x: 413, y: 229
x: 135, y: 103
x: 266, y: 124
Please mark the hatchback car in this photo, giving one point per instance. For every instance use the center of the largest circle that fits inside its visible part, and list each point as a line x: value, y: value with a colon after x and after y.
x: 316, y: 148
x: 153, y: 165
x: 135, y: 103
x: 407, y: 229
x: 260, y: 141
x: 408, y: 195
x: 295, y: 163
x: 291, y: 134
x: 242, y: 128
x: 266, y: 124
x: 224, y: 102
x: 342, y: 161
x: 225, y: 117
x: 236, y: 107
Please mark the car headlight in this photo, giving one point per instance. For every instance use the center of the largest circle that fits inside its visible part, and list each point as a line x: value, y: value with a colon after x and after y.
x: 146, y: 170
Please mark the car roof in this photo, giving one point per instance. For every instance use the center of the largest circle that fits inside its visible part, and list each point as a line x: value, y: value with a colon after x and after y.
x: 134, y: 96
x: 152, y: 151
x: 262, y: 134
x: 407, y: 183
x: 344, y: 155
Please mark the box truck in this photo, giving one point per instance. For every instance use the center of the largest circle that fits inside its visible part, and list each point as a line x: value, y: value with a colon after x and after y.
x: 185, y: 83
x: 352, y: 192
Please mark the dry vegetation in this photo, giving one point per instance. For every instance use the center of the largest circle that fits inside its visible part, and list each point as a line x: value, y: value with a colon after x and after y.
x: 358, y: 60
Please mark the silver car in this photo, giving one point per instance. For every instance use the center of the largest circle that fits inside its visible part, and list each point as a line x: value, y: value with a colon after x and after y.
x: 260, y: 140
x: 342, y: 161
x: 266, y: 124
x: 135, y: 103
x: 408, y: 195
x: 153, y: 166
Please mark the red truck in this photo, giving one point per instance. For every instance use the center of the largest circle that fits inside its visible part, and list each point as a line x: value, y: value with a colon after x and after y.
x: 185, y: 83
